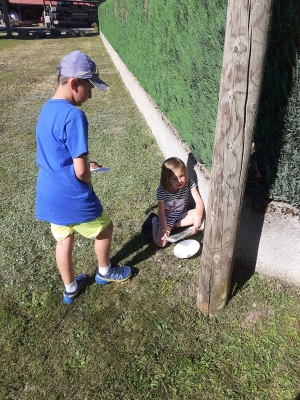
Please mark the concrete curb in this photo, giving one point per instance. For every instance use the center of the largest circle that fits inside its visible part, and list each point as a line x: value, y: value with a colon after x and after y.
x: 268, y: 241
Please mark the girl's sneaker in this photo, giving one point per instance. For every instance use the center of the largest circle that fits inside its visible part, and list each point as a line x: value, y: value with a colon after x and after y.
x: 82, y: 281
x: 115, y: 274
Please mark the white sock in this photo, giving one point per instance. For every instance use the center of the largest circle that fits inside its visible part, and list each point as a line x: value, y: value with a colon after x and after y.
x: 72, y: 287
x: 104, y: 270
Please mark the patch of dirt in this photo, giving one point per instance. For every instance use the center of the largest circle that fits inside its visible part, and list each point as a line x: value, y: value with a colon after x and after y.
x: 255, y: 316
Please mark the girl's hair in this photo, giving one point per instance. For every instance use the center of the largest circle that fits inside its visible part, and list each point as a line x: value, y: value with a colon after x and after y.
x: 168, y: 170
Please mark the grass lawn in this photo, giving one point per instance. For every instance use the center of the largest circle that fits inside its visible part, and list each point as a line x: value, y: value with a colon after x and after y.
x: 145, y: 338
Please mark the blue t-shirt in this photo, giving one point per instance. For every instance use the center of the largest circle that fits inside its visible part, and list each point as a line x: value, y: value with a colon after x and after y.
x: 62, y: 135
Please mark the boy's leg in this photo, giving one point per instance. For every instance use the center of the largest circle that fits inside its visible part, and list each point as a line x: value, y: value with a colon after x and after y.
x: 106, y: 272
x: 64, y: 236
x: 64, y: 259
x: 103, y: 245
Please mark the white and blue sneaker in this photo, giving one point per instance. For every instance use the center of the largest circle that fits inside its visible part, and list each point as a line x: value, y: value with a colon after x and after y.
x: 115, y: 274
x: 81, y: 281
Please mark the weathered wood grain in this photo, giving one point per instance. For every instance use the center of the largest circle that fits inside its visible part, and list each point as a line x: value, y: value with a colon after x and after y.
x: 241, y: 80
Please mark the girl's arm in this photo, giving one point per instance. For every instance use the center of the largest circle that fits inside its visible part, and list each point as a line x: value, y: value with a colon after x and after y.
x: 163, y: 221
x: 199, y: 209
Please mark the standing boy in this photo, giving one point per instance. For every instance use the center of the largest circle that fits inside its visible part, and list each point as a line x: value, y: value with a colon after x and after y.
x: 65, y: 195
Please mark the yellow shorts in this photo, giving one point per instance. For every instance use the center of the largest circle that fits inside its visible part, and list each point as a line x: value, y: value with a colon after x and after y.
x: 90, y: 229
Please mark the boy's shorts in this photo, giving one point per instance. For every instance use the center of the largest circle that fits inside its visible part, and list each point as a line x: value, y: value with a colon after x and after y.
x: 89, y: 230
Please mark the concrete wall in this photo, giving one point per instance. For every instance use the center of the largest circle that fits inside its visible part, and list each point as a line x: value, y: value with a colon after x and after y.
x: 268, y: 241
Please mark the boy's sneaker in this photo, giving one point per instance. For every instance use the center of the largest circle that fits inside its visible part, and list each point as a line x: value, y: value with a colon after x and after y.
x: 115, y: 274
x: 147, y: 225
x: 82, y: 281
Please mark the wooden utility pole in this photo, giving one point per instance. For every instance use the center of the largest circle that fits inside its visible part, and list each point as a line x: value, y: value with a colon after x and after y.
x: 6, y: 19
x: 242, y: 73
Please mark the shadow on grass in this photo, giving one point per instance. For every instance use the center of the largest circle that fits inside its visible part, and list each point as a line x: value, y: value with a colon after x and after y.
x: 152, y: 208
x: 133, y: 248
x: 247, y: 244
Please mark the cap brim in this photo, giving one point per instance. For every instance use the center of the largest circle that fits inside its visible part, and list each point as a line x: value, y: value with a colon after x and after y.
x: 99, y: 84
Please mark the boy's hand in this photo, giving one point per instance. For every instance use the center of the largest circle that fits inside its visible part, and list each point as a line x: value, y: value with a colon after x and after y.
x: 94, y: 165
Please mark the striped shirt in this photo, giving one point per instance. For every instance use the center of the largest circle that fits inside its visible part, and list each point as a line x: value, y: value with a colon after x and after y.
x: 176, y: 204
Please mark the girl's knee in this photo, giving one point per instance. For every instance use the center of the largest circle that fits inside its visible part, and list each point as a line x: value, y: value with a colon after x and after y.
x: 160, y: 244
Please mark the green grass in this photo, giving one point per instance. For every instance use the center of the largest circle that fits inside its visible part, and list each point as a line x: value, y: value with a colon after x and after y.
x: 144, y: 339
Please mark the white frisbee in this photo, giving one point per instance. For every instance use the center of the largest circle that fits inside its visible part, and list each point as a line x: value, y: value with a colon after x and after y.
x: 186, y: 248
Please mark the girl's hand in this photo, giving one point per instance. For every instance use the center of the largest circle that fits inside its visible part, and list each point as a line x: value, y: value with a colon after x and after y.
x: 197, y: 224
x: 166, y: 235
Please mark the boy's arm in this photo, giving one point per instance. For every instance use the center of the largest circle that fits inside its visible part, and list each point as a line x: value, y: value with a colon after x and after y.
x: 82, y: 169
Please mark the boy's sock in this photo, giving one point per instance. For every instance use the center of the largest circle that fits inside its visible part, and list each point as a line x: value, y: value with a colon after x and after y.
x: 104, y: 270
x: 72, y: 287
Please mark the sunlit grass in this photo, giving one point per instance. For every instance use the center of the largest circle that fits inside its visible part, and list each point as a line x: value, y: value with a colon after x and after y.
x: 144, y: 339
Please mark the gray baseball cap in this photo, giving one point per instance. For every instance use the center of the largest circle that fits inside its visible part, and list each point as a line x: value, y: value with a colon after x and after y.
x: 79, y: 65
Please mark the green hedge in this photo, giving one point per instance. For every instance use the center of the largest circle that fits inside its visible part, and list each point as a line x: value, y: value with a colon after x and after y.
x: 175, y: 49
x: 287, y: 183
x: 175, y: 52
x: 279, y: 84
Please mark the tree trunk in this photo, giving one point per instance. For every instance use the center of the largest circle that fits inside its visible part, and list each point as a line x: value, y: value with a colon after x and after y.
x: 241, y: 80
